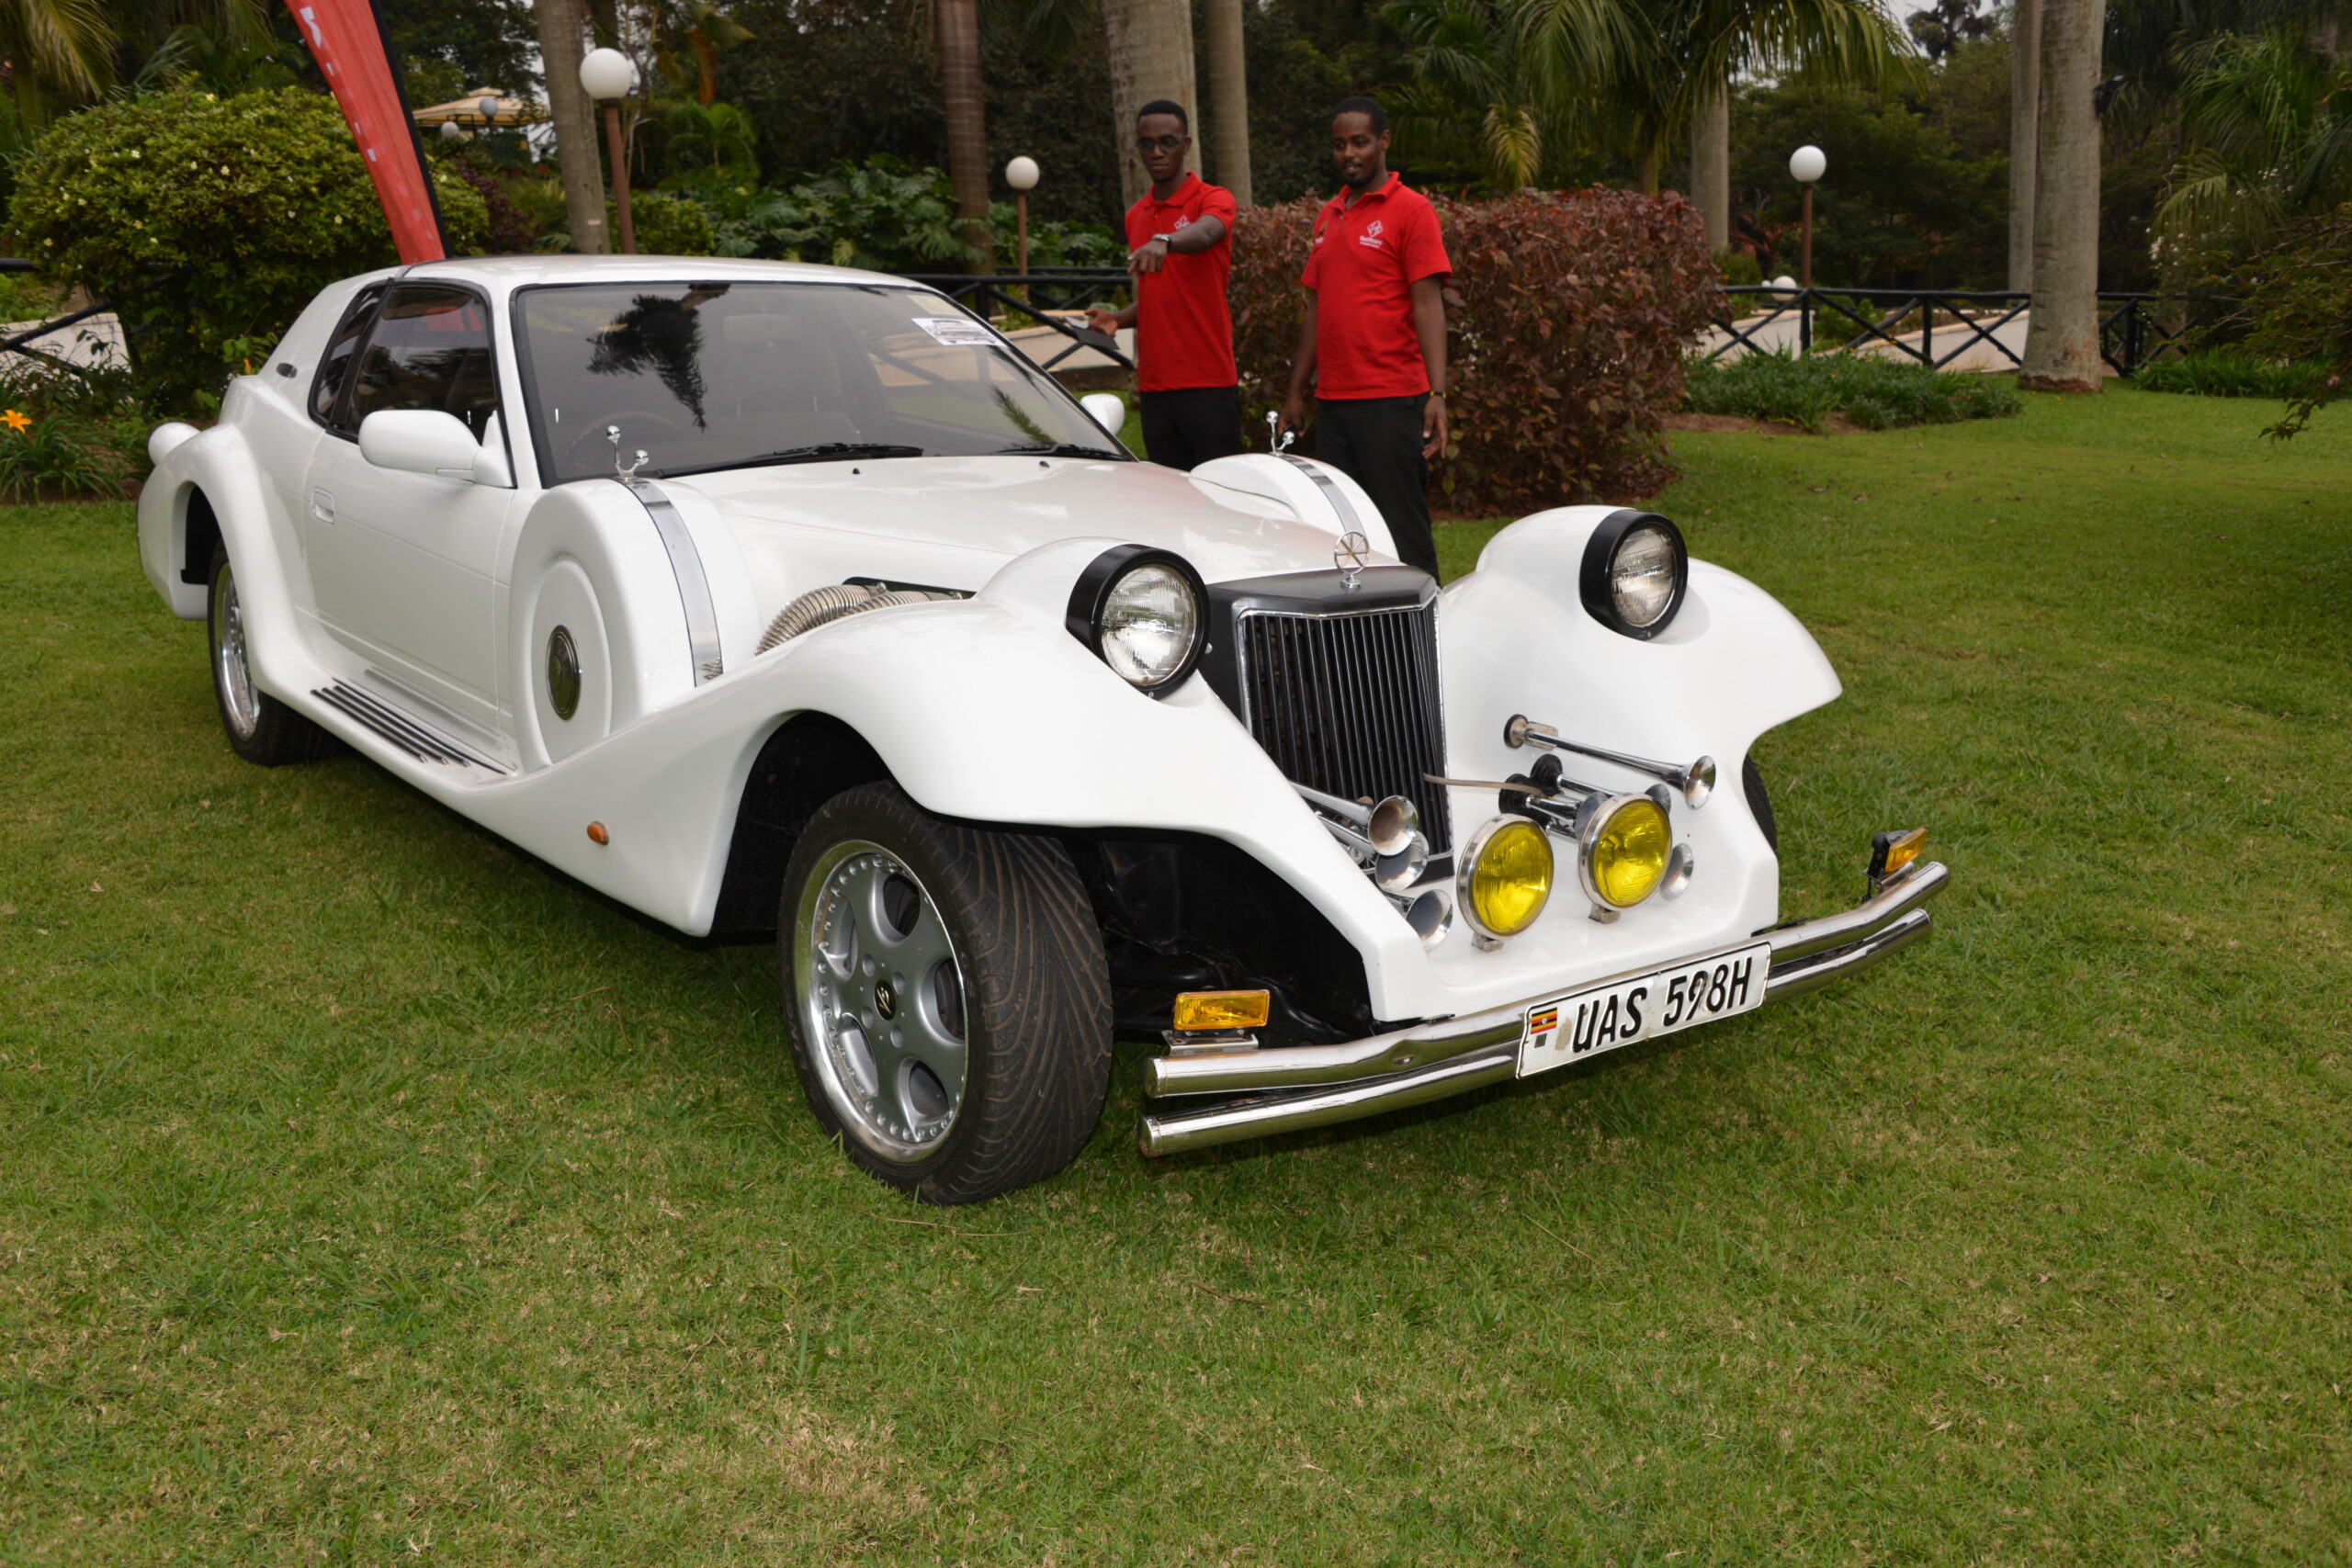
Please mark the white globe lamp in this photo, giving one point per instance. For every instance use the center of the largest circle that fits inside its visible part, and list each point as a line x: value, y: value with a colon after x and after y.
x: 1806, y: 164
x: 607, y: 73
x: 486, y: 106
x: 1022, y: 176
x: 452, y: 132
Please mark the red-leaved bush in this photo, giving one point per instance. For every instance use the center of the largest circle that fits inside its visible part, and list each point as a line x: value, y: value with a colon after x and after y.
x: 1567, y: 317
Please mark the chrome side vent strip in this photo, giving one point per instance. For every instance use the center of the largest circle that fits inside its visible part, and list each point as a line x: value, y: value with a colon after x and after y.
x: 694, y: 584
x: 418, y: 739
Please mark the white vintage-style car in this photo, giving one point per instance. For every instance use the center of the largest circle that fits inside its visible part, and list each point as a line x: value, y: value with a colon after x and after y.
x: 777, y: 597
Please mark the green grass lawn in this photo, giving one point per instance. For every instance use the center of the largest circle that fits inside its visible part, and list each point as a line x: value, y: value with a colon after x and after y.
x: 368, y: 1193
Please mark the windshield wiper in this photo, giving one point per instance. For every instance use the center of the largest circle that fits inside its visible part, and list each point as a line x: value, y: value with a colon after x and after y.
x: 1055, y: 449
x: 827, y: 451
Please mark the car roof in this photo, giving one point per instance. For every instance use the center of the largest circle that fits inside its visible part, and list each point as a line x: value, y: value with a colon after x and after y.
x: 503, y: 274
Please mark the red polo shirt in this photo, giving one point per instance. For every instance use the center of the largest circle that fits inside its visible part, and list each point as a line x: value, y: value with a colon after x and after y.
x: 1183, y: 331
x: 1366, y: 259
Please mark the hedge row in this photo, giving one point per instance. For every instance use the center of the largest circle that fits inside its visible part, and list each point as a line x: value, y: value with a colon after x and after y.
x: 1568, y: 316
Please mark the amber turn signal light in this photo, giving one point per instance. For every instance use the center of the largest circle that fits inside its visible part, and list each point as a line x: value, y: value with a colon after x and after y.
x: 597, y: 835
x: 1221, y: 1010
x: 1890, y: 852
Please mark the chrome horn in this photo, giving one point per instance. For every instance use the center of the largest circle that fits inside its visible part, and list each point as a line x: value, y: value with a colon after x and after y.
x: 1387, y: 833
x: 1695, y: 782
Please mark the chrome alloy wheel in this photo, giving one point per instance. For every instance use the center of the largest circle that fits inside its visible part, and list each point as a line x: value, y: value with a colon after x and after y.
x: 881, y: 1000
x: 238, y: 700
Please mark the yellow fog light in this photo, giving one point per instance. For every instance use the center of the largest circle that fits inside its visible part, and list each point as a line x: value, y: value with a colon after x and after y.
x: 1221, y: 1010
x: 1506, y: 876
x: 1626, y: 843
x: 1890, y: 852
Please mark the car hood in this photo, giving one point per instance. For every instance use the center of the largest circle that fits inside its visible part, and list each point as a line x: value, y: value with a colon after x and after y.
x: 952, y: 521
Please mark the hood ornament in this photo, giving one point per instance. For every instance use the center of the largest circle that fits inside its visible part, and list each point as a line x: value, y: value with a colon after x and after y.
x: 1351, y: 555
x: 1280, y: 442
x: 629, y: 471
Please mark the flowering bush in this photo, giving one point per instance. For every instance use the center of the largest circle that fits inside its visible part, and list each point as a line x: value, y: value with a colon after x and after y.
x: 207, y: 223
x: 1567, y: 317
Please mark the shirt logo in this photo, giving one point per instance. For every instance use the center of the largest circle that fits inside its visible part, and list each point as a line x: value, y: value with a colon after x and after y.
x: 1373, y: 226
x: 1370, y: 236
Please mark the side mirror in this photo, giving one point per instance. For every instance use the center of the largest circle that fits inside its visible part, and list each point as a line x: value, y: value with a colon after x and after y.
x: 426, y: 441
x: 1105, y: 410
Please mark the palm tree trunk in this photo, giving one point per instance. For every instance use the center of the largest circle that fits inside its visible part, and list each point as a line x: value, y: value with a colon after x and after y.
x: 1148, y: 44
x: 1228, y: 127
x: 968, y: 140
x: 563, y: 27
x: 1710, y: 163
x: 2061, y: 340
x: 2025, y: 112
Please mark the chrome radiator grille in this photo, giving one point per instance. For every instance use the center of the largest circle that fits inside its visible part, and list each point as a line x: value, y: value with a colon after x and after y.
x: 1348, y: 703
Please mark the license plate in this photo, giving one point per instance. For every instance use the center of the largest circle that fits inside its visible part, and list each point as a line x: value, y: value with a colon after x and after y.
x: 1664, y: 1002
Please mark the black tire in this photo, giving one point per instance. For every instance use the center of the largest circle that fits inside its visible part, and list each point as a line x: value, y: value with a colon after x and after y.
x: 260, y: 728
x: 1020, y: 1003
x: 1759, y: 801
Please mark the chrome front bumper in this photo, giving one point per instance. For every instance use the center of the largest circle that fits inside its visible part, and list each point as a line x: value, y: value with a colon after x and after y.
x: 1297, y: 1087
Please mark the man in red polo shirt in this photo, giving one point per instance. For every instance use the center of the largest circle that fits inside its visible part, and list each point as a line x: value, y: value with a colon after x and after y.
x: 1373, y: 341
x: 1180, y: 242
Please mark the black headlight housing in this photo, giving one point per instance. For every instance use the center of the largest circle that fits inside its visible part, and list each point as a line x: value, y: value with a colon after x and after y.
x: 1630, y: 558
x: 1100, y: 602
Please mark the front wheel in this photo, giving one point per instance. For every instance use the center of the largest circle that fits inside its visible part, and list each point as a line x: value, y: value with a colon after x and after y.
x: 260, y: 729
x: 948, y: 997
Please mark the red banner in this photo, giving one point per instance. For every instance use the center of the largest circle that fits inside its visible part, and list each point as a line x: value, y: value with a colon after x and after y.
x: 347, y: 41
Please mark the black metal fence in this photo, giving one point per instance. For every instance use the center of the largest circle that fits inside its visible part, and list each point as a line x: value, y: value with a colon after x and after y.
x: 1039, y: 294
x: 21, y: 342
x: 1935, y: 327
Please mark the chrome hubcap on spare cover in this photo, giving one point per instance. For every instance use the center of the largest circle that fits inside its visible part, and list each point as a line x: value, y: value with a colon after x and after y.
x: 881, y: 1000
x: 229, y: 658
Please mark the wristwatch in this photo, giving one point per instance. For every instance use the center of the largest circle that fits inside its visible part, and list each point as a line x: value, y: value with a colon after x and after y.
x: 1167, y: 240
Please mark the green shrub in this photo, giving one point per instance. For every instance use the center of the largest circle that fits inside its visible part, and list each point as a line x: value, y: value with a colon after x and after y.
x: 207, y: 223
x: 1874, y: 392
x: 888, y: 216
x: 666, y: 224
x: 2229, y: 372
x: 1566, y: 320
x: 58, y: 457
x: 1738, y: 269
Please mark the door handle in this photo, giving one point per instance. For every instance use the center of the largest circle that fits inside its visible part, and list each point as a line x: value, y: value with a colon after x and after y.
x: 322, y: 506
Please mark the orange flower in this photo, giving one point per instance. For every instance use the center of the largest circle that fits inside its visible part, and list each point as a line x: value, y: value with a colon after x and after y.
x: 15, y: 421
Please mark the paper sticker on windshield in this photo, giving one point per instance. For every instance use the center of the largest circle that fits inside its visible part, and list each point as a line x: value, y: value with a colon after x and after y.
x: 955, y: 331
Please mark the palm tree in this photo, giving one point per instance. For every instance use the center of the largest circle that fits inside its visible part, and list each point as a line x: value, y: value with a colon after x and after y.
x: 1148, y: 44
x: 563, y: 28
x: 1228, y: 123
x: 2269, y: 122
x: 2062, y: 331
x: 1471, y: 101
x: 967, y: 138
x: 58, y: 51
x: 721, y: 133
x: 1707, y: 42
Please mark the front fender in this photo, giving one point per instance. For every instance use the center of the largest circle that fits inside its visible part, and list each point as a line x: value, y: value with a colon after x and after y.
x: 1519, y: 639
x: 984, y: 708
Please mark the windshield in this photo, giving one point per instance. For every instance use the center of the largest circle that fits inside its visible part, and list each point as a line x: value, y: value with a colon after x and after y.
x: 703, y: 376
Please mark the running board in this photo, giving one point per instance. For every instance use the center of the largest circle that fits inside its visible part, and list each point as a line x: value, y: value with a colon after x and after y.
x: 418, y: 739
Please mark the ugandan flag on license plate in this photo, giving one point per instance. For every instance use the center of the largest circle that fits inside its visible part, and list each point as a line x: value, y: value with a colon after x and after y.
x: 1543, y: 1020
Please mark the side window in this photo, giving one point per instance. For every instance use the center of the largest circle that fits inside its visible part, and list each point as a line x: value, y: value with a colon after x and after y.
x: 334, y: 365
x: 430, y: 349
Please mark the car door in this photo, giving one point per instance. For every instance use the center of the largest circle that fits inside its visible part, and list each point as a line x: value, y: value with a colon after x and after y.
x: 404, y: 564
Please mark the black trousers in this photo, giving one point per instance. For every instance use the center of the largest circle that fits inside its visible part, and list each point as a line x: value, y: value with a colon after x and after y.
x: 1377, y: 443
x: 1192, y: 424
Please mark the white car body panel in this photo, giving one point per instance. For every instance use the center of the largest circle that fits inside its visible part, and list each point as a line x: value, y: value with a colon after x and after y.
x: 985, y: 707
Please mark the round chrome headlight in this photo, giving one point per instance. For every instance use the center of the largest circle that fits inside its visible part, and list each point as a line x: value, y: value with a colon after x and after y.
x: 1144, y: 613
x: 1506, y: 877
x: 1636, y: 570
x: 1624, y: 844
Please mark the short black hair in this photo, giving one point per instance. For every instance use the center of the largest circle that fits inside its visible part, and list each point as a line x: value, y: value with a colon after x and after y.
x: 1359, y: 104
x: 1168, y: 107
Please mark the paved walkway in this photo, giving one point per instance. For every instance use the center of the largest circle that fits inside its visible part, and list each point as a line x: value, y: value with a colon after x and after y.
x: 1780, y: 332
